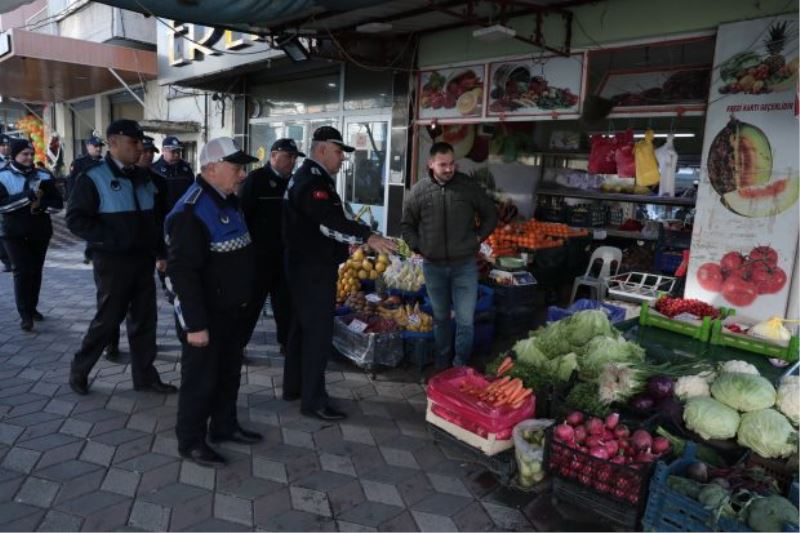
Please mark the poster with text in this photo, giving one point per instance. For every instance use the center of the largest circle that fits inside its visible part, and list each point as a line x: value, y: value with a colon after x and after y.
x: 746, y: 226
x: 451, y: 92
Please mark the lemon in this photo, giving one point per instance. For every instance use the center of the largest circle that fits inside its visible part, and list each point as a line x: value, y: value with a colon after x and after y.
x: 467, y: 103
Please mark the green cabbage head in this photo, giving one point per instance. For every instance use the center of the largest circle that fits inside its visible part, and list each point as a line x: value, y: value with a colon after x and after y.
x: 710, y: 419
x: 768, y: 433
x: 743, y: 392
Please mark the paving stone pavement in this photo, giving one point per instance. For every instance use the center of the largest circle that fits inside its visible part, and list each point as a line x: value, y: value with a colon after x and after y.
x: 109, y: 461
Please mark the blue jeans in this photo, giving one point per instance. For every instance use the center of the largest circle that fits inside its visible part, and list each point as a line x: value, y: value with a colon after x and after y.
x: 456, y: 284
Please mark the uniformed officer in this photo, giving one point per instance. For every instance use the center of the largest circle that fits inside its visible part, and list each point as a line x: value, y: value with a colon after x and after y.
x: 316, y: 238
x: 262, y: 203
x: 113, y: 207
x: 4, y: 149
x: 27, y: 197
x: 211, y: 267
x: 94, y: 153
x: 146, y: 161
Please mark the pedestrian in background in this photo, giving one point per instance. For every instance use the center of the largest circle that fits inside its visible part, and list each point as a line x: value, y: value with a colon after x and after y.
x: 439, y: 223
x: 4, y: 149
x: 113, y: 207
x: 262, y: 202
x: 316, y: 236
x: 211, y: 267
x: 28, y: 196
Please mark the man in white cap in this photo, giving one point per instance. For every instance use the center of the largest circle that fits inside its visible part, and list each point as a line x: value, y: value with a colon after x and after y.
x: 211, y: 270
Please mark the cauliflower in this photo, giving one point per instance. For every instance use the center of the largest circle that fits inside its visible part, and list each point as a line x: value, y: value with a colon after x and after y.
x: 741, y: 367
x: 789, y: 398
x: 691, y: 386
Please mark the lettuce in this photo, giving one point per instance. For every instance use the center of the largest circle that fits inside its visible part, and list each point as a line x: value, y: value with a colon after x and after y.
x: 710, y: 419
x: 768, y: 433
x: 743, y: 392
x: 573, y: 333
x: 528, y: 352
x: 602, y: 350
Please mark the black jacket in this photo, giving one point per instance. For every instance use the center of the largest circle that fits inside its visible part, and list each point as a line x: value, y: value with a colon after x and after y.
x: 210, y: 261
x: 262, y: 202
x: 115, y: 211
x: 79, y: 165
x: 315, y: 228
x: 178, y: 176
x: 17, y: 193
x: 446, y: 223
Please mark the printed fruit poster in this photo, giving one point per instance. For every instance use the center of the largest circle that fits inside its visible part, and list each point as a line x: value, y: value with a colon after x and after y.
x: 746, y: 227
x: 451, y: 92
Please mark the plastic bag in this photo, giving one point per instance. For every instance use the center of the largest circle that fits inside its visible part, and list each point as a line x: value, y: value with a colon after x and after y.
x: 601, y: 155
x: 615, y: 314
x: 667, y: 166
x: 646, y: 163
x: 530, y: 457
x: 626, y: 162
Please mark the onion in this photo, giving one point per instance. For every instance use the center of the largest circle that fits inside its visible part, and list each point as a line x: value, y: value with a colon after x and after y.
x: 580, y: 434
x: 594, y: 440
x: 671, y: 409
x: 660, y: 387
x: 642, y: 403
x: 575, y: 418
x: 622, y: 431
x: 594, y: 426
x: 612, y: 447
x: 612, y: 420
x: 645, y: 457
x: 564, y: 433
x: 660, y: 445
x: 599, y: 452
x: 641, y: 439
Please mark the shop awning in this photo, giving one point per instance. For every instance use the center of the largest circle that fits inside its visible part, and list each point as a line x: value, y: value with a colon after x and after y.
x: 38, y: 67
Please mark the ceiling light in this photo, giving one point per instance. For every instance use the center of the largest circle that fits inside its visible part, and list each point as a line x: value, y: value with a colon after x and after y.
x: 687, y: 135
x: 293, y: 48
x: 374, y: 27
x: 331, y: 85
x: 498, y: 32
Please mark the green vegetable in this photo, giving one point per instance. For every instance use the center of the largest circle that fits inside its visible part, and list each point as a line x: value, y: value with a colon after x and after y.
x: 702, y: 452
x: 571, y: 334
x: 684, y: 486
x: 713, y: 496
x: 583, y: 397
x: 771, y: 513
x: 528, y: 353
x: 710, y: 419
x: 744, y: 392
x: 768, y: 433
x: 602, y: 350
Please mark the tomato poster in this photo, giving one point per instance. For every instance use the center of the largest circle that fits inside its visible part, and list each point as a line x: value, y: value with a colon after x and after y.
x: 746, y: 226
x: 451, y: 92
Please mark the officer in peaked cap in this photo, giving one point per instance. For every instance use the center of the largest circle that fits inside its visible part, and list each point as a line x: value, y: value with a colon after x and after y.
x: 262, y: 203
x: 211, y: 268
x: 94, y: 153
x: 113, y: 207
x: 316, y: 234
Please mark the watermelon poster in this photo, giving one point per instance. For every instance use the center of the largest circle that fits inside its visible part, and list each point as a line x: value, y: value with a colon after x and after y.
x: 746, y: 226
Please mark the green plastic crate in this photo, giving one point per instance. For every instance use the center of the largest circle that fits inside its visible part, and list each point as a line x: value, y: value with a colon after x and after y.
x: 789, y: 353
x: 700, y: 331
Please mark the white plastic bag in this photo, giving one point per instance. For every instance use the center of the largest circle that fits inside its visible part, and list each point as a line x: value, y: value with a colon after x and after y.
x: 667, y: 166
x: 530, y: 457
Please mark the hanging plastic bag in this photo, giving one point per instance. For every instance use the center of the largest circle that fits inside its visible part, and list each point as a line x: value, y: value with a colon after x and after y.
x: 626, y: 162
x: 646, y: 163
x: 601, y: 155
x: 667, y: 166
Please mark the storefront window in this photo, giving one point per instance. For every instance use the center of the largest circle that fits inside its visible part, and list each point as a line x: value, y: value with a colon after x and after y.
x: 82, y: 123
x: 366, y: 89
x: 366, y: 169
x: 275, y: 98
x: 124, y: 105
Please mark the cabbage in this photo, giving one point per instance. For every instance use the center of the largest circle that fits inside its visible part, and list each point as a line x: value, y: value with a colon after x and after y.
x: 603, y: 350
x: 789, y: 399
x: 710, y: 419
x: 772, y: 513
x: 768, y: 433
x: 744, y: 392
x: 528, y: 353
x: 572, y: 333
x: 560, y: 367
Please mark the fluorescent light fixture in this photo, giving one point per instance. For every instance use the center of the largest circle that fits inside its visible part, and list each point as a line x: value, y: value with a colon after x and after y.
x: 331, y: 85
x: 687, y: 135
x: 374, y: 27
x: 498, y: 32
x: 293, y: 48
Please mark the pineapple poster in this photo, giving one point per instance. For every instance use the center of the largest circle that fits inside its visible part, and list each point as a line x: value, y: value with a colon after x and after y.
x: 746, y: 226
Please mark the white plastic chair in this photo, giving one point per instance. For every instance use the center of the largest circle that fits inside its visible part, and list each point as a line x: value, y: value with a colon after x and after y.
x: 597, y: 285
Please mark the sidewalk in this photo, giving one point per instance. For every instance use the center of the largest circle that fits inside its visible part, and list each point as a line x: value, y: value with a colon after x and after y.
x: 109, y: 461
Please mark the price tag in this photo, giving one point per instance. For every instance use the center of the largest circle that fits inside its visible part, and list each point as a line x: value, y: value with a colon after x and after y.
x: 414, y: 320
x: 357, y: 326
x: 685, y: 317
x: 373, y: 298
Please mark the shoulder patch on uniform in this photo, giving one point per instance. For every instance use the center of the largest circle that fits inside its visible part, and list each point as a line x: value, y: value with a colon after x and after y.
x: 320, y: 195
x: 191, y: 199
x: 315, y: 171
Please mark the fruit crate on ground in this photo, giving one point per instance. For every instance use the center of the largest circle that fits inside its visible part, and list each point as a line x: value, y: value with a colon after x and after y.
x: 668, y: 510
x: 367, y: 350
x: 720, y: 336
x: 617, y: 492
x: 699, y: 329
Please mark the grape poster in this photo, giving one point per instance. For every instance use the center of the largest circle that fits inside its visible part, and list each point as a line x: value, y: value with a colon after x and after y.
x: 746, y: 226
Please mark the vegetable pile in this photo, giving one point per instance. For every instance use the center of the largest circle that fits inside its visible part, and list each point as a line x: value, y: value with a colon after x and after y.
x: 605, y: 454
x: 672, y: 307
x: 503, y: 391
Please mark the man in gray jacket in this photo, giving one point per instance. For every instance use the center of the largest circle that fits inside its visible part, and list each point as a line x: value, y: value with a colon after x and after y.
x: 445, y: 218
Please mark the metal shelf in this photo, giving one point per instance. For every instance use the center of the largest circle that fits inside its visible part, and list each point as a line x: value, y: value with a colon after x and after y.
x: 617, y: 197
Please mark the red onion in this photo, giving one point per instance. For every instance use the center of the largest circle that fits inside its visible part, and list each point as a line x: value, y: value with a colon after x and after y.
x: 599, y: 452
x: 622, y: 431
x: 575, y: 418
x: 641, y: 439
x: 564, y: 433
x: 594, y: 426
x: 612, y: 420
x: 660, y: 445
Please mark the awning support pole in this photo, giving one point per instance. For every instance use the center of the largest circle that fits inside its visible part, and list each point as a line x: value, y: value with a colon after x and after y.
x: 127, y: 87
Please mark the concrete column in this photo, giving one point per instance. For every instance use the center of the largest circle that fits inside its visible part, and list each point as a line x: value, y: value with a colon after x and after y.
x: 64, y: 126
x: 102, y: 114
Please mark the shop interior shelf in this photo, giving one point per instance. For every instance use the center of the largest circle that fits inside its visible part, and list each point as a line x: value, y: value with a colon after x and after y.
x: 617, y: 197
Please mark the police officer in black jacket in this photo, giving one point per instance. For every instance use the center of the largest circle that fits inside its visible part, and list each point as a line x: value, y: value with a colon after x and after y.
x: 211, y: 267
x: 4, y: 149
x: 316, y: 236
x: 262, y: 203
x: 146, y: 161
x: 27, y: 197
x: 177, y: 172
x: 113, y: 207
x: 94, y: 153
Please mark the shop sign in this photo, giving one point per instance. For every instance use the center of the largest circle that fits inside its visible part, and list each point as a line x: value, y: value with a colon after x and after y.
x: 536, y: 86
x: 451, y: 93
x: 745, y: 236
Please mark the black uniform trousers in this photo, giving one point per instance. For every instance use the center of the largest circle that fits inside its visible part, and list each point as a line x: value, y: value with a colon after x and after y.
x: 210, y: 378
x: 27, y: 261
x: 270, y: 281
x: 124, y: 285
x: 312, y: 290
x: 4, y: 255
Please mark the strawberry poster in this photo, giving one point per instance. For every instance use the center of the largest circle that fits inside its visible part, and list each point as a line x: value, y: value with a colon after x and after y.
x: 746, y: 226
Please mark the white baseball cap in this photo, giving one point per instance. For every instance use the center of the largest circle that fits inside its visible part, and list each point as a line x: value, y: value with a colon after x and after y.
x: 224, y: 149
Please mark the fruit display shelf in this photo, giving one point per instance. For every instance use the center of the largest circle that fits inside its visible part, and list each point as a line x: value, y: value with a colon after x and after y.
x: 789, y: 351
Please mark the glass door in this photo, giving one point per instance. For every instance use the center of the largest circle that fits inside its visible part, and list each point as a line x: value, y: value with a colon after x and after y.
x: 362, y: 181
